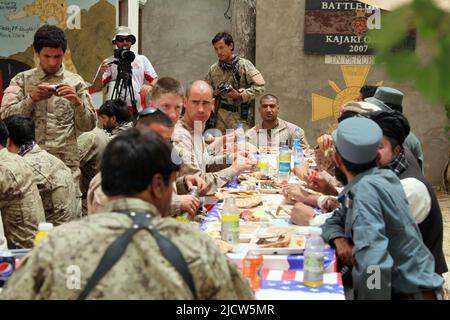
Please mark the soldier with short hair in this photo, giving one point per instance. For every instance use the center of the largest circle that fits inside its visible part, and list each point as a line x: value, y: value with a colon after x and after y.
x: 168, y: 95
x: 20, y: 203
x: 191, y: 147
x: 114, y: 116
x: 140, y: 200
x: 53, y: 178
x: 56, y: 100
x: 277, y: 130
x: 236, y: 83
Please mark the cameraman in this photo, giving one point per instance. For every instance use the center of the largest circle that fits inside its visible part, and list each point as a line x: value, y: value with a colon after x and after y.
x: 142, y: 71
x: 236, y: 83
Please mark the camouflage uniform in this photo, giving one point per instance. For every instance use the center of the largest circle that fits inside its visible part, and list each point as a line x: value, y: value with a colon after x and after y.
x: 141, y: 273
x: 122, y: 127
x: 20, y: 203
x: 90, y: 146
x: 282, y: 132
x: 197, y: 161
x: 57, y: 122
x: 55, y: 184
x: 251, y: 85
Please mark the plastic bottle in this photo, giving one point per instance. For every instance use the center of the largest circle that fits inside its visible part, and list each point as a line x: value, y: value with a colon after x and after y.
x: 284, y: 166
x: 230, y: 221
x: 297, y: 150
x: 314, y: 258
x: 297, y: 154
x: 43, y: 230
x: 296, y: 138
x: 251, y: 269
x: 241, y: 137
x: 185, y: 216
x: 263, y: 164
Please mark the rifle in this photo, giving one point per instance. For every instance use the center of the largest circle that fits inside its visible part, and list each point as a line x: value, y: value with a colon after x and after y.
x: 212, y: 121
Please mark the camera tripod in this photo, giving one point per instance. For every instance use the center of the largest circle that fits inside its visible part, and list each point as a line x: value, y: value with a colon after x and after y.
x: 124, y: 85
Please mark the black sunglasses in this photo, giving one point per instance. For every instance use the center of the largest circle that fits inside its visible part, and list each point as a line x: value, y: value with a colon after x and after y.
x: 120, y: 39
x: 146, y: 112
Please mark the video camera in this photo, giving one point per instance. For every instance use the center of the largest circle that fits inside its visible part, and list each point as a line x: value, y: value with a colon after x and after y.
x: 124, y: 55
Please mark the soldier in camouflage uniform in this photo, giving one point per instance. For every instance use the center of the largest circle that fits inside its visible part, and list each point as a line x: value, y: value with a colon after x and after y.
x: 191, y: 147
x: 20, y: 203
x: 53, y: 178
x: 114, y: 117
x: 90, y: 146
x: 60, y: 114
x: 277, y: 130
x: 142, y: 272
x: 244, y: 82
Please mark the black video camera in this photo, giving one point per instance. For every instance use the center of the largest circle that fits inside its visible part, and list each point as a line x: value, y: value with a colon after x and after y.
x: 124, y: 55
x: 224, y: 87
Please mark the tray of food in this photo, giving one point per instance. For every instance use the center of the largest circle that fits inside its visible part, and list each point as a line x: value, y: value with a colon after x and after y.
x: 244, y: 198
x: 278, y: 240
x: 255, y: 215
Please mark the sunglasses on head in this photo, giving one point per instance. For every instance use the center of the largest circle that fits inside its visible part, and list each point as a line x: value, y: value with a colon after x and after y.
x: 123, y: 39
x: 146, y: 112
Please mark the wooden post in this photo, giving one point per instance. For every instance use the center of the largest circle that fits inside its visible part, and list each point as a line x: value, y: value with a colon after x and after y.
x: 243, y: 30
x: 243, y: 27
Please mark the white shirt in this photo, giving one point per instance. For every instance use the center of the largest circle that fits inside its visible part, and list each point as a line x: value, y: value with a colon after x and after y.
x: 418, y: 198
x: 142, y: 70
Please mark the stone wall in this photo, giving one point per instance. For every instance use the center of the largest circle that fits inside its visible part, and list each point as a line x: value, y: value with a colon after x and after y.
x: 177, y: 36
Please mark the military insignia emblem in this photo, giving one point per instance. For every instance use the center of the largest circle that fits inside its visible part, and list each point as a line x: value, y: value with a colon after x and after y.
x: 359, y: 24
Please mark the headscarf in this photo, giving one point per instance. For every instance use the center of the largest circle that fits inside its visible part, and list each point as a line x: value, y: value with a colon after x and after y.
x: 234, y: 67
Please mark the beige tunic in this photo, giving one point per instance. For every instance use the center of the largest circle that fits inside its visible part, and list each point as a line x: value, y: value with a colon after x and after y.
x: 196, y: 159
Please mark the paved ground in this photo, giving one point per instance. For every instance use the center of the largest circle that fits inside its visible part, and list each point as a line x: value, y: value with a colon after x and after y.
x: 444, y: 201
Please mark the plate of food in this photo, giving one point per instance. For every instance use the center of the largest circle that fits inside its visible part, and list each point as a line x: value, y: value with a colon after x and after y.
x: 278, y: 240
x: 257, y: 215
x: 244, y: 198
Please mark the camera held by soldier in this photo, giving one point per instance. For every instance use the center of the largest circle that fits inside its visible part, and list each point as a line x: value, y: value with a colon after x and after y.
x: 224, y: 87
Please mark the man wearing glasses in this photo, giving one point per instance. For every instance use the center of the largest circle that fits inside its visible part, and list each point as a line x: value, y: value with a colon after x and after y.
x: 143, y: 73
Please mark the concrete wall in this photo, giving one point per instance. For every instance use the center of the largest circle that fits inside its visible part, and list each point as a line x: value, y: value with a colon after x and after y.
x: 177, y: 36
x: 295, y: 76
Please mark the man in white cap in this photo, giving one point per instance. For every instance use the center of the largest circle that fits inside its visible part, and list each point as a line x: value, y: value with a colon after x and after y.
x: 143, y: 73
x: 373, y: 228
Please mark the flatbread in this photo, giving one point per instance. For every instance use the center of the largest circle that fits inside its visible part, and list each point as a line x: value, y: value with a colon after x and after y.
x: 244, y: 198
x: 280, y: 241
